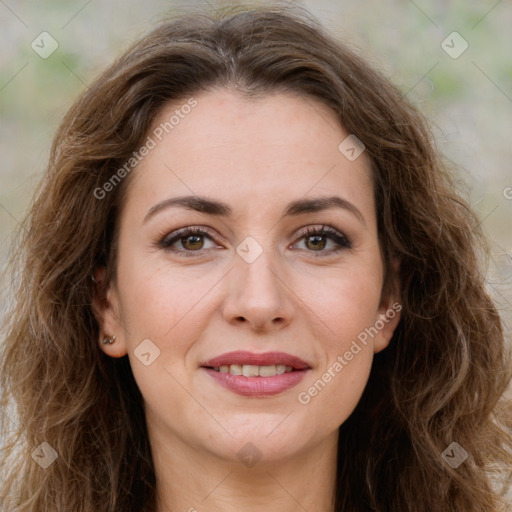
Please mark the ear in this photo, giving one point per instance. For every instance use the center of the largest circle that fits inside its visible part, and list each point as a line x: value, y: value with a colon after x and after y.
x: 105, y: 307
x: 389, y: 312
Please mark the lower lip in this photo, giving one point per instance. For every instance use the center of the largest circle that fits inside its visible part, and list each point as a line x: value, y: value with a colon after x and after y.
x: 257, y: 386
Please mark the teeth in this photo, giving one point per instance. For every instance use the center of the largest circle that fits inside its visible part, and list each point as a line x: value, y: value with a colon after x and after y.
x: 234, y: 369
x: 267, y: 371
x: 280, y: 368
x: 250, y: 370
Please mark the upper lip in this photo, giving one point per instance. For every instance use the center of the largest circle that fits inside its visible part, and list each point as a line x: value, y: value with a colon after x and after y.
x: 251, y: 358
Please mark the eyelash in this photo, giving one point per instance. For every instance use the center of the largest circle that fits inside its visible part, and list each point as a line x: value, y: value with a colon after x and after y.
x: 168, y: 239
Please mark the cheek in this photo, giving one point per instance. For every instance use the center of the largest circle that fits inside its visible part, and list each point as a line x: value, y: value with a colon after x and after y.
x: 348, y: 307
x: 346, y: 299
x: 162, y: 301
x: 161, y: 306
x: 172, y: 309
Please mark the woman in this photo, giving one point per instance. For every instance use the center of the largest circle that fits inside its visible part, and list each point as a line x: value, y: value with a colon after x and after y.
x: 247, y: 282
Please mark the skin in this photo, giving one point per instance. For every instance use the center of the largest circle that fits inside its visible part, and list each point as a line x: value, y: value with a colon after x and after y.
x: 296, y: 297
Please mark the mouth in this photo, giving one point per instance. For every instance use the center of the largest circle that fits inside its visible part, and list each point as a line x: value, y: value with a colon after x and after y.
x: 258, y: 375
x: 252, y: 364
x: 251, y: 370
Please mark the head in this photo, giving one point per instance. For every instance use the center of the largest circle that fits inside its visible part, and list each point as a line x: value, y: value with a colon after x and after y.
x: 255, y: 110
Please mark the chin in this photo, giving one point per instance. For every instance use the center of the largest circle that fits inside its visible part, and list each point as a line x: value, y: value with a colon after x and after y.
x: 269, y: 441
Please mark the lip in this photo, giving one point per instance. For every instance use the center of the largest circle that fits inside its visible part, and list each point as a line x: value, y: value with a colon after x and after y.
x: 266, y: 359
x: 257, y: 386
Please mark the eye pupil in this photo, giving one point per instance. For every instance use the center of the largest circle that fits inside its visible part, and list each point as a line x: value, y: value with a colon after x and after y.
x: 318, y: 241
x: 197, y: 242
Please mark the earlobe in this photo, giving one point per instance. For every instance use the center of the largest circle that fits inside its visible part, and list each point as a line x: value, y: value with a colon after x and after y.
x: 112, y: 347
x: 105, y: 307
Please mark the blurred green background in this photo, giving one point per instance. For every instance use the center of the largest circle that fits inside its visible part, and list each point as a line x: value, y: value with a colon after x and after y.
x: 468, y: 99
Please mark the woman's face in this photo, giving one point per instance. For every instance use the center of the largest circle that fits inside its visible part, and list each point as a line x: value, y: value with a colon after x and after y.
x: 258, y: 175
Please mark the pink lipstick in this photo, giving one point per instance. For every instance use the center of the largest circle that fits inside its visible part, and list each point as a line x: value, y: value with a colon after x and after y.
x: 257, y: 375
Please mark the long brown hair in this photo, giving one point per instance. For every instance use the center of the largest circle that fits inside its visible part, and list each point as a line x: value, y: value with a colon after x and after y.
x: 441, y: 380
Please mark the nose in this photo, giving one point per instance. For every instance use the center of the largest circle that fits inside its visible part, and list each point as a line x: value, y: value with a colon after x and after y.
x: 258, y: 296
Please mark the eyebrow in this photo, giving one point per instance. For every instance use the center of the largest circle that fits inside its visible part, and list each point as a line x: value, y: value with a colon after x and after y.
x: 212, y: 207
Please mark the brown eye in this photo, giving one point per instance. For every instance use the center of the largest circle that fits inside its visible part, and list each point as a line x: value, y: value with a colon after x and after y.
x: 316, y: 242
x: 323, y: 240
x: 192, y: 242
x: 188, y: 240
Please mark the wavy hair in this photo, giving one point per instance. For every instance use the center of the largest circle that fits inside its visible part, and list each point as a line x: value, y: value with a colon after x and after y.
x: 442, y: 379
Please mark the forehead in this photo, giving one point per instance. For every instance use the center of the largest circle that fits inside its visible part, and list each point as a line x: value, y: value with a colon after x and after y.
x: 249, y: 152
